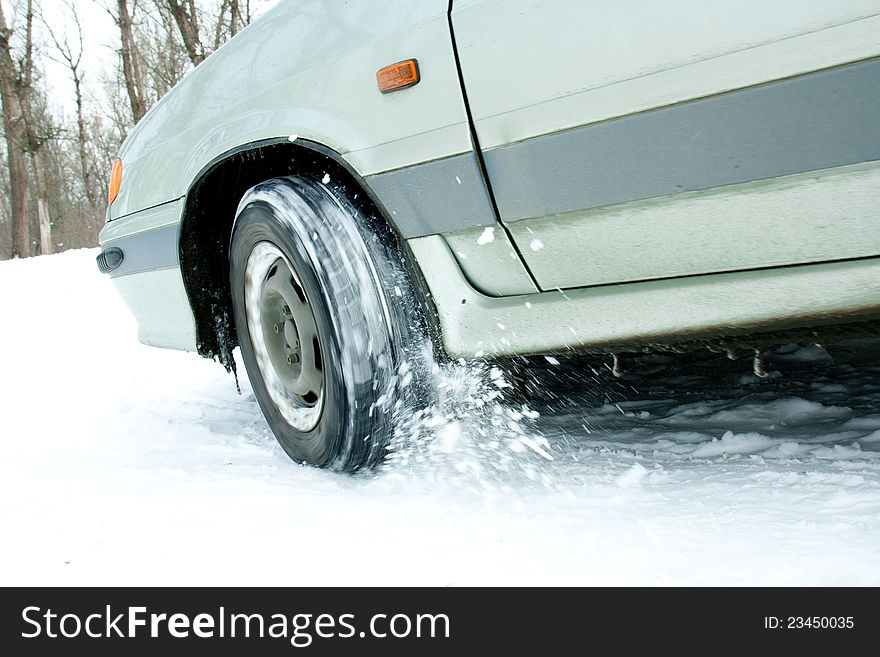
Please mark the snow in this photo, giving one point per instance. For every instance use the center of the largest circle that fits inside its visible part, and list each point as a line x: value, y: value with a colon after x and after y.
x: 536, y: 244
x: 487, y: 236
x: 128, y: 465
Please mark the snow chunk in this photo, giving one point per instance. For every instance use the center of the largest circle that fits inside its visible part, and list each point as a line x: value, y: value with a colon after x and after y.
x: 536, y: 244
x: 448, y: 438
x: 632, y: 477
x: 326, y: 178
x: 731, y: 443
x: 488, y: 235
x: 537, y: 445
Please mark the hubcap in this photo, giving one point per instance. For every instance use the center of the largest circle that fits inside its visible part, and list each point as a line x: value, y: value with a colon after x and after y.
x: 285, y: 337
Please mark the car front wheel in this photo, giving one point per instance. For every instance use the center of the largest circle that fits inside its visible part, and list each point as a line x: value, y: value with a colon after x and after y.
x: 326, y: 319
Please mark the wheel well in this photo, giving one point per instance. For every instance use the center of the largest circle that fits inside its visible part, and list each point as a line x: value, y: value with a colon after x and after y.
x: 209, y: 214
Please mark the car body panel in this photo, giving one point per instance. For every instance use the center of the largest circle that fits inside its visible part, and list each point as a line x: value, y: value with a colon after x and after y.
x: 158, y: 301
x: 714, y: 95
x: 149, y: 239
x: 149, y: 278
x: 306, y: 69
x: 818, y: 216
x: 810, y: 122
x: 640, y: 315
x: 497, y: 269
x: 610, y: 59
x: 442, y: 195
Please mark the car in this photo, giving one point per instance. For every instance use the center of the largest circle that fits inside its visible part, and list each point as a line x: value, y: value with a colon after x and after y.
x: 344, y: 183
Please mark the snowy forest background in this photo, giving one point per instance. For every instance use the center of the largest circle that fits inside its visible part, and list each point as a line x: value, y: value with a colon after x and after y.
x: 61, y: 133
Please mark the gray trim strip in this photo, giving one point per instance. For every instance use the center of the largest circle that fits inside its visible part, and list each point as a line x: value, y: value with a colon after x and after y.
x: 815, y: 121
x: 435, y: 197
x: 146, y: 209
x: 151, y: 249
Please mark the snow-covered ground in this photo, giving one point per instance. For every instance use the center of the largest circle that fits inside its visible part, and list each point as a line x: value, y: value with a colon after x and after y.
x: 128, y: 465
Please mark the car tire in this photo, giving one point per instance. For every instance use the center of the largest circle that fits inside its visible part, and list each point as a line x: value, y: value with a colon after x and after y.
x: 328, y: 324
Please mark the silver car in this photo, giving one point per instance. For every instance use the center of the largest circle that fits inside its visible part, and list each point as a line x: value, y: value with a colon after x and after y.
x: 346, y: 182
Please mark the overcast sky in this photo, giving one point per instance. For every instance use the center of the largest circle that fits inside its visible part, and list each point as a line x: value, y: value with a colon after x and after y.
x: 99, y: 48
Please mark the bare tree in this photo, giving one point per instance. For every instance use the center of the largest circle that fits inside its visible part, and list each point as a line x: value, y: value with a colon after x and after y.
x: 16, y: 78
x: 162, y: 53
x: 235, y: 18
x: 40, y: 131
x: 160, y: 40
x: 71, y: 57
x: 192, y: 17
x: 186, y: 15
x: 152, y: 56
x: 30, y: 131
x: 53, y: 162
x: 44, y: 221
x: 134, y: 85
x: 5, y: 215
x: 230, y: 20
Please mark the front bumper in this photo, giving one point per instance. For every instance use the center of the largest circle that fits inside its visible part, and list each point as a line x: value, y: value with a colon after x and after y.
x: 140, y: 252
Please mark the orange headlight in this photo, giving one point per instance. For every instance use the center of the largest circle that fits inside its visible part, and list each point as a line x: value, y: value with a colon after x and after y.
x: 115, y: 182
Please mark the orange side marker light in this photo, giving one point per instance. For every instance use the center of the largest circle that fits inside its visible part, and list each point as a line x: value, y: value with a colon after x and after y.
x: 398, y: 76
x: 115, y: 182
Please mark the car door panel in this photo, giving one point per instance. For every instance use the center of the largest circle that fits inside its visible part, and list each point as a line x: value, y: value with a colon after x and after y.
x: 584, y: 107
x: 749, y: 226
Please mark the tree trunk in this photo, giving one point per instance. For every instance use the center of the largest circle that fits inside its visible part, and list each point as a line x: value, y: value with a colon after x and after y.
x: 221, y: 18
x: 40, y: 189
x: 82, y: 144
x: 16, y: 144
x: 129, y: 63
x: 18, y: 183
x: 234, y: 18
x: 185, y: 15
x: 45, y: 227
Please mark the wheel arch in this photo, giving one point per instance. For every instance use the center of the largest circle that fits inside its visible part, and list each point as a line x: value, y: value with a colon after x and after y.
x: 209, y: 213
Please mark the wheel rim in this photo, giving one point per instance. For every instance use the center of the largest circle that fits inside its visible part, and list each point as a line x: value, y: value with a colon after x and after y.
x: 284, y: 335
